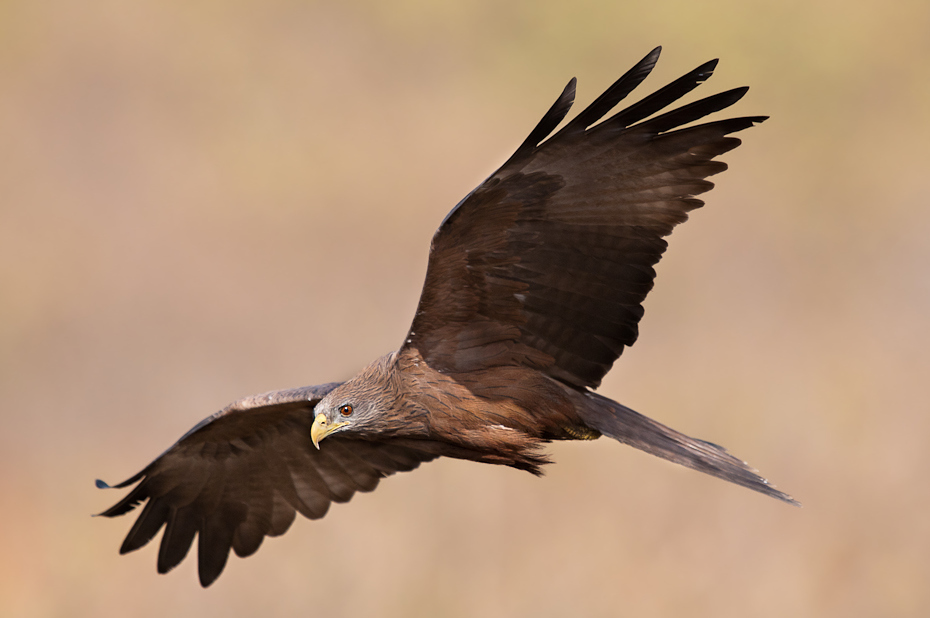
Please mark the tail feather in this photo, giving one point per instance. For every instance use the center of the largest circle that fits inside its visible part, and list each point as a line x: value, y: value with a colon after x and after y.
x: 623, y: 424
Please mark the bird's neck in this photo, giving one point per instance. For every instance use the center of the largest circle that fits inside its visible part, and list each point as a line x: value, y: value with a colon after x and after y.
x: 443, y: 410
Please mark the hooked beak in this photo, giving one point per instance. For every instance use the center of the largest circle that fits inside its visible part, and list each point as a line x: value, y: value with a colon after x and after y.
x: 321, y: 428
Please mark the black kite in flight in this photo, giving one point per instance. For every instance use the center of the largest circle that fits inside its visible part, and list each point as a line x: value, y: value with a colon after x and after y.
x: 535, y: 284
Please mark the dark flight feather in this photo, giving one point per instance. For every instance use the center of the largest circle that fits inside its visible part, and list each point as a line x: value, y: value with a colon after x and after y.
x: 241, y: 475
x: 534, y: 287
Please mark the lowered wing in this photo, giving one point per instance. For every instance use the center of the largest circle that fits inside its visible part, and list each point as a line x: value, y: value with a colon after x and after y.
x: 243, y: 474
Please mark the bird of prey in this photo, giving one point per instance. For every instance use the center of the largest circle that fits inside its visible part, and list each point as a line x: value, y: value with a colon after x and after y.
x: 534, y: 286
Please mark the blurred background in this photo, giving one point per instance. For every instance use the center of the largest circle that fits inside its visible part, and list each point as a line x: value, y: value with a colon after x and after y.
x: 201, y: 201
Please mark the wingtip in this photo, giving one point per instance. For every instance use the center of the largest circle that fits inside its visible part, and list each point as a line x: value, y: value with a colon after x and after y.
x: 568, y: 93
x: 100, y: 485
x: 650, y: 59
x: 738, y: 93
x: 706, y: 70
x: 208, y: 577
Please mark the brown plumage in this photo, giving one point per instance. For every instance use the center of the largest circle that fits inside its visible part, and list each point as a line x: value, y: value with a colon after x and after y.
x: 534, y: 287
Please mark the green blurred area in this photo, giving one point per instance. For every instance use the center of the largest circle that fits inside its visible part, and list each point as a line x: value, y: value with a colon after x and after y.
x: 200, y: 201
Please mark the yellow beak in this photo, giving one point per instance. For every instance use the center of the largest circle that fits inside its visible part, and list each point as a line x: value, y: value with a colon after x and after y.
x: 321, y: 428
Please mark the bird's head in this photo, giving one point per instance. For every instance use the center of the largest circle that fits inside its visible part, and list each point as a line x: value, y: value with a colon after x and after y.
x: 337, y: 413
x: 359, y: 405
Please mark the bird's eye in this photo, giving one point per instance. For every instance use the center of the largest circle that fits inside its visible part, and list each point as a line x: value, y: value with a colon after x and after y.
x: 346, y: 409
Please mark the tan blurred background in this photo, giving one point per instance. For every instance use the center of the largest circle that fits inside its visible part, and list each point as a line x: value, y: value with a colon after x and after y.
x: 201, y: 201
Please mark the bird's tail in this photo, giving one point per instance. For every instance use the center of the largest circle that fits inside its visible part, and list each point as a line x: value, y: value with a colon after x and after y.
x: 630, y: 427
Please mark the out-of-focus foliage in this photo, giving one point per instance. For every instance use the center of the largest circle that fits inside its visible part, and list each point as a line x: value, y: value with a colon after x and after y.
x: 199, y: 201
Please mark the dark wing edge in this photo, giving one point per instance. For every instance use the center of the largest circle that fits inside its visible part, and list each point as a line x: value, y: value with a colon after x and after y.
x: 546, y: 264
x: 243, y: 474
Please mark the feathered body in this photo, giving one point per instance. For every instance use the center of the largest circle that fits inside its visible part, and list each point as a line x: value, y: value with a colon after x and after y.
x: 534, y: 287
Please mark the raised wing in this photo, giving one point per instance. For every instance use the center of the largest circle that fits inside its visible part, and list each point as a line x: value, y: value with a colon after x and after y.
x: 547, y: 263
x: 243, y: 473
